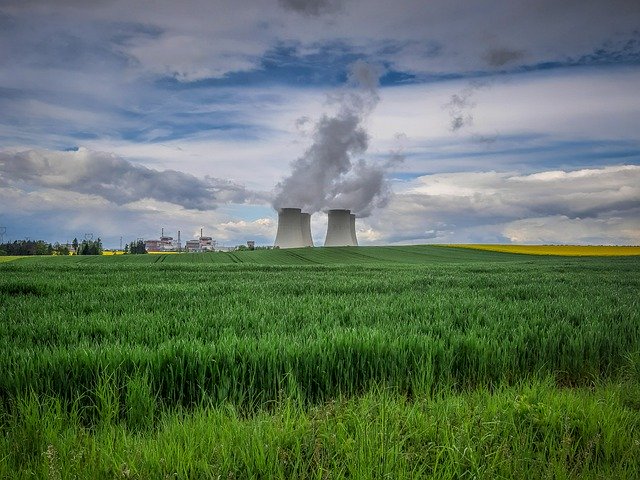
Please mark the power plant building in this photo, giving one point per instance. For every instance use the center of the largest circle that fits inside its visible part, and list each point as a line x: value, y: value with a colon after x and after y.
x: 354, y: 239
x: 294, y: 229
x: 201, y: 244
x: 341, y: 229
x: 165, y: 244
x: 305, y: 224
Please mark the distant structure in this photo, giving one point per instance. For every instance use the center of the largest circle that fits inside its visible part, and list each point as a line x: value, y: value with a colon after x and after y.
x: 152, y: 245
x: 341, y: 229
x: 192, y: 245
x: 164, y: 244
x: 305, y: 225
x: 294, y: 229
x: 354, y: 239
x: 201, y: 244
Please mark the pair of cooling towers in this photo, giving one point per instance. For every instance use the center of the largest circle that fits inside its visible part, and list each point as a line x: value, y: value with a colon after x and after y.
x: 294, y: 229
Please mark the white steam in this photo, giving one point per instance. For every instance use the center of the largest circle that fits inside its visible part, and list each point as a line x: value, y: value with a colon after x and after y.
x: 330, y: 173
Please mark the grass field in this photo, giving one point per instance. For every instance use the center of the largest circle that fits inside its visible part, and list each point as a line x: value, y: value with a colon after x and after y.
x: 8, y: 258
x: 562, y: 250
x: 380, y: 362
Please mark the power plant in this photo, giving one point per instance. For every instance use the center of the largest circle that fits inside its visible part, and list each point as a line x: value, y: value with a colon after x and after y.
x: 294, y: 229
x: 305, y: 224
x: 341, y: 229
x: 352, y: 224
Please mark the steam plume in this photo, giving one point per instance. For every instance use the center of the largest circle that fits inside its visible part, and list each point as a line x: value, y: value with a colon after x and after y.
x: 329, y: 174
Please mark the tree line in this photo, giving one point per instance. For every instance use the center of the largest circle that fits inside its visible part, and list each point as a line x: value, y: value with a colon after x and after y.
x: 40, y: 247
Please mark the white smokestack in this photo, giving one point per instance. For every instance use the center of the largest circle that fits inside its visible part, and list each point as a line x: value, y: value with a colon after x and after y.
x: 339, y: 229
x: 305, y: 225
x: 289, y: 228
x: 352, y: 224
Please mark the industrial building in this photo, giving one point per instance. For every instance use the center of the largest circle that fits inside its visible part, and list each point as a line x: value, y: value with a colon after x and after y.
x: 341, y: 229
x: 201, y: 244
x: 294, y: 229
x: 164, y: 244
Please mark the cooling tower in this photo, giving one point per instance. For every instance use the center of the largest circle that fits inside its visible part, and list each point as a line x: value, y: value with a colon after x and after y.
x: 305, y: 225
x: 339, y: 229
x: 289, y: 228
x: 352, y: 224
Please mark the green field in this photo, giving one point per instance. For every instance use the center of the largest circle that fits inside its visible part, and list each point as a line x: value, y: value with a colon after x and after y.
x: 376, y: 362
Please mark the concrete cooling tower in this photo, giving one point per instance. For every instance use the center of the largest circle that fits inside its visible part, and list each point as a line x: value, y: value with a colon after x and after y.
x: 354, y: 239
x: 294, y: 229
x: 305, y: 225
x: 340, y: 231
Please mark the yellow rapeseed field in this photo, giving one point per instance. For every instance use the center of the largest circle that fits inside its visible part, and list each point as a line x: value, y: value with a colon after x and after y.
x: 568, y: 250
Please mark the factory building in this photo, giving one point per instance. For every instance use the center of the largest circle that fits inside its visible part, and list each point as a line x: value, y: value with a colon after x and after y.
x: 164, y: 244
x: 201, y: 244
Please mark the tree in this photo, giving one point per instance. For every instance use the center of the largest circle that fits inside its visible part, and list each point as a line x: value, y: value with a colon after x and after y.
x: 90, y: 247
x: 27, y: 247
x: 59, y: 249
x: 137, y: 247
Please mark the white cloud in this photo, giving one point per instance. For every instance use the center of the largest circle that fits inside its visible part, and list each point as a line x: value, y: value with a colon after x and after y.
x: 595, y: 205
x: 560, y: 229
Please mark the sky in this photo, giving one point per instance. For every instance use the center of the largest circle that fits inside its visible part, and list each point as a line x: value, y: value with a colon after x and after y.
x: 497, y: 121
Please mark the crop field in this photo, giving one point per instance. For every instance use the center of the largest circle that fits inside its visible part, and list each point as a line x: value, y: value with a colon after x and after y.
x: 368, y: 362
x: 8, y: 258
x: 563, y: 250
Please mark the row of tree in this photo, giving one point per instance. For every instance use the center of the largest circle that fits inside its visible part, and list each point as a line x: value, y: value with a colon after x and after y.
x: 40, y: 247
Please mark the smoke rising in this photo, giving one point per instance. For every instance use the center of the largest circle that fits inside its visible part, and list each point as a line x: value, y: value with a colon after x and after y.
x: 329, y: 174
x: 115, y: 179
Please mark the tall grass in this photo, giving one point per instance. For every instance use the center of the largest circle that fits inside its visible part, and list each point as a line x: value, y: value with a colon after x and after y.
x: 358, y: 363
x: 188, y: 333
x: 529, y: 430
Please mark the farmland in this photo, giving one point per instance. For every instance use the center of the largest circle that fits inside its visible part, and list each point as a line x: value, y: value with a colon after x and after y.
x: 404, y: 362
x: 563, y: 250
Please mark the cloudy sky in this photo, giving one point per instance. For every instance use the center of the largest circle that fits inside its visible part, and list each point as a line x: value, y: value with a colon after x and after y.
x: 437, y: 122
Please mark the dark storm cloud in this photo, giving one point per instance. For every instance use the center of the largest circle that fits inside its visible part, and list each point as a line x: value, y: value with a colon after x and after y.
x: 312, y: 8
x: 115, y: 179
